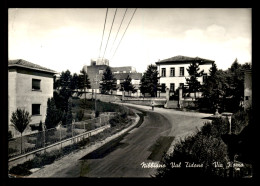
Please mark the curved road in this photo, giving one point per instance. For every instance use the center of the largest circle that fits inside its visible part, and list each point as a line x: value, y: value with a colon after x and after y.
x: 134, y: 148
x: 125, y: 160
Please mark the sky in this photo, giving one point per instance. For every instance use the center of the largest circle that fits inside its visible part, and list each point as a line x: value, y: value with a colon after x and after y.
x: 62, y: 39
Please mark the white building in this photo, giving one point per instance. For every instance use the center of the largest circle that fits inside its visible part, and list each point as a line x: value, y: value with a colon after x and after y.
x: 173, y: 71
x: 29, y: 87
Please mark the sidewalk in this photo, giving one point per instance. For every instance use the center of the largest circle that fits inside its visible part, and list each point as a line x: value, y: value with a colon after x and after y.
x: 72, y: 158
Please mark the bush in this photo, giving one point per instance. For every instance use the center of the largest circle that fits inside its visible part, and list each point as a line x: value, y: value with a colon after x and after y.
x: 97, y: 114
x: 10, y: 135
x: 205, y: 147
x: 80, y: 115
x: 240, y: 120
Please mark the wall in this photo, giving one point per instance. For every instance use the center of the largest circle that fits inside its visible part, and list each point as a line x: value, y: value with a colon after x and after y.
x: 11, y: 96
x: 103, y: 97
x: 145, y: 101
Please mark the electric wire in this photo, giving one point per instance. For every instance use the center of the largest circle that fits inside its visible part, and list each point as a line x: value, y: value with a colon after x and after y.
x: 124, y: 33
x: 118, y: 30
x: 103, y: 34
x: 109, y: 34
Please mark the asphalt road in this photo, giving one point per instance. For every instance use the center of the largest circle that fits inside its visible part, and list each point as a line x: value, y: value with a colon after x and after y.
x: 126, y: 158
x: 123, y: 158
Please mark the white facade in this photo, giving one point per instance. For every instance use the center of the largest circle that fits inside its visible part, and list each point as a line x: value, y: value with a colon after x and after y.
x: 177, y: 78
x: 21, y: 94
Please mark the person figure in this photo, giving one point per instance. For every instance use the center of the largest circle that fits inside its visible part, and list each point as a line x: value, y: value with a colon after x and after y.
x: 152, y: 105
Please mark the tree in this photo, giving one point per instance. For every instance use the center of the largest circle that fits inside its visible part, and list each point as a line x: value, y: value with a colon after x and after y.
x: 193, y: 83
x: 69, y: 113
x: 235, y: 79
x: 108, y: 81
x: 20, y: 119
x: 127, y: 86
x: 83, y: 82
x: 211, y: 89
x: 53, y: 116
x: 69, y: 116
x: 65, y: 86
x: 74, y: 83
x: 149, y: 82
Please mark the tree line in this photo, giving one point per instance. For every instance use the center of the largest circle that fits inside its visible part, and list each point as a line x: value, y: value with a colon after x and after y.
x: 222, y: 89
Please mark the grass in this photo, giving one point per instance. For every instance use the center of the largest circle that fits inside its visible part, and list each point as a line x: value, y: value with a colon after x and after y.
x: 160, y: 147
x: 49, y: 157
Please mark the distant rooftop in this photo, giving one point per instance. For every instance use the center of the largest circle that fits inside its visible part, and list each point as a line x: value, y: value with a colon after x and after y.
x: 26, y: 64
x: 122, y: 76
x: 125, y: 68
x: 180, y: 58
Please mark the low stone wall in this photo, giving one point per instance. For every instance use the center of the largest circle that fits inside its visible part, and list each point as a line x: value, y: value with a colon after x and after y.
x: 103, y: 97
x: 188, y: 103
x: 172, y: 104
x: 145, y: 101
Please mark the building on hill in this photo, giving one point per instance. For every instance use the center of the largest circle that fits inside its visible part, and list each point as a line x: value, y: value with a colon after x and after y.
x: 173, y: 71
x: 29, y: 87
x: 96, y: 69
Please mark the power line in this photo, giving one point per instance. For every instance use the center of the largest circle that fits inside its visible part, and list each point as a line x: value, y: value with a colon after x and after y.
x: 124, y: 33
x: 103, y: 34
x: 118, y: 29
x: 109, y: 34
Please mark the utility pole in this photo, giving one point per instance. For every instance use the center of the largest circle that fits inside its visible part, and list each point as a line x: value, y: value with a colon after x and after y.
x: 85, y: 87
x: 96, y: 80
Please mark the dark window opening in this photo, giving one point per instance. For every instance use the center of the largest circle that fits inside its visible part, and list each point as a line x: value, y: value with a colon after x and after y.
x: 247, y: 97
x: 181, y: 71
x: 172, y: 72
x: 163, y: 72
x: 172, y: 87
x: 163, y: 87
x: 36, y: 84
x: 36, y: 109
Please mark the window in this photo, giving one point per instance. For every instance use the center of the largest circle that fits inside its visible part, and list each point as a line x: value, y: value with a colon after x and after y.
x: 204, y: 78
x: 163, y: 87
x: 247, y: 97
x: 163, y: 72
x: 172, y: 72
x: 36, y: 109
x: 36, y: 84
x: 181, y: 85
x: 172, y: 87
x: 181, y: 71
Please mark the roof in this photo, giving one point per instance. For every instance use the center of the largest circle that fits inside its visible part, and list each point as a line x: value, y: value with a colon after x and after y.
x: 122, y: 76
x: 184, y: 59
x: 121, y: 69
x: 29, y: 65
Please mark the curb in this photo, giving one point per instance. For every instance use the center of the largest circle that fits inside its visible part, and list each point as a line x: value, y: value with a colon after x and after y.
x: 93, y: 147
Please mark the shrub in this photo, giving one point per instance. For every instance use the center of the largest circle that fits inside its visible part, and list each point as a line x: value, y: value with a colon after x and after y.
x: 12, y: 150
x: 239, y: 120
x: 97, y: 114
x: 80, y: 115
x: 10, y: 135
x: 205, y: 147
